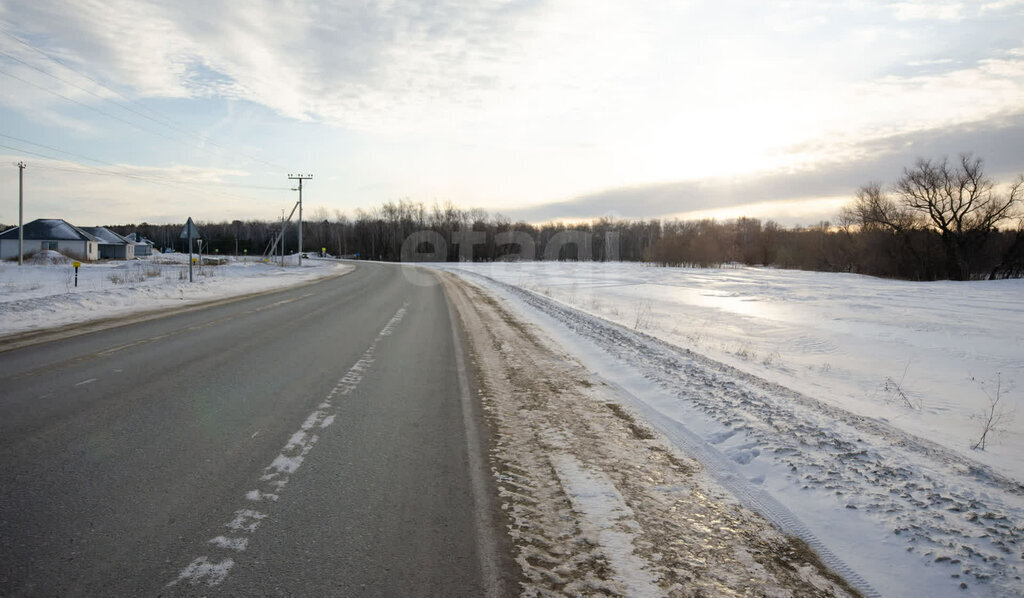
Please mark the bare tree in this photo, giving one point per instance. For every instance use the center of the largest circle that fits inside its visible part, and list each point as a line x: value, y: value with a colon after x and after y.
x: 961, y: 202
x: 873, y: 209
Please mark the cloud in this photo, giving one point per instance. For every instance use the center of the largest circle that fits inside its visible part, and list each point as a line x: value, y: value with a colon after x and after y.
x: 543, y: 99
x: 929, y: 10
x: 999, y: 142
x: 123, y: 193
x: 356, y: 64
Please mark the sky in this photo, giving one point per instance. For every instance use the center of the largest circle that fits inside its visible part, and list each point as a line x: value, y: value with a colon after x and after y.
x: 127, y: 111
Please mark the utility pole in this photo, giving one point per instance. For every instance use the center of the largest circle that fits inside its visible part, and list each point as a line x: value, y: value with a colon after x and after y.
x: 21, y: 205
x: 300, y: 178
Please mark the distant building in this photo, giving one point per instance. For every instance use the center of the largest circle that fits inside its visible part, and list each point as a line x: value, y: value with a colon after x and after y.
x: 143, y: 246
x: 112, y: 245
x: 51, y: 234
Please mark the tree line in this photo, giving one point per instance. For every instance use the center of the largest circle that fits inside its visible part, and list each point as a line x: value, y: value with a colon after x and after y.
x: 941, y: 219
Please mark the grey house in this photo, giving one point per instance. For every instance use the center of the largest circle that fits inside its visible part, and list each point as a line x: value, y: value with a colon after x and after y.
x: 112, y: 245
x: 53, y: 234
x: 143, y: 246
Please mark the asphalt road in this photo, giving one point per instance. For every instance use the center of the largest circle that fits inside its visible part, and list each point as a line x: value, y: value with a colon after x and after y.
x: 316, y: 441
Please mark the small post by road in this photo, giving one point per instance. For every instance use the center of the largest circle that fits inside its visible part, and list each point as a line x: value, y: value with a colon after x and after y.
x: 77, y: 265
x: 190, y: 232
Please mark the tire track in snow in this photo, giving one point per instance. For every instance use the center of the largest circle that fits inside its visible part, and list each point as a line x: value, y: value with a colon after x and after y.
x: 716, y: 463
x: 952, y: 512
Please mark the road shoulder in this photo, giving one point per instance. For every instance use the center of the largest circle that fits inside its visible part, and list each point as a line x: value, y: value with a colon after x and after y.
x: 596, y: 501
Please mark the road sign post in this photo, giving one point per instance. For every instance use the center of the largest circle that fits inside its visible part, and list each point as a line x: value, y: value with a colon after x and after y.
x: 77, y: 265
x: 190, y: 232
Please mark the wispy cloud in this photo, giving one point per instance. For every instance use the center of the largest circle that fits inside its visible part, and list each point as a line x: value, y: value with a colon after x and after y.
x: 536, y: 101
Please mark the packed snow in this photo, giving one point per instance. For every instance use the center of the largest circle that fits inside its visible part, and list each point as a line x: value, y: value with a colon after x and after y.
x: 843, y: 408
x: 597, y: 504
x: 42, y: 293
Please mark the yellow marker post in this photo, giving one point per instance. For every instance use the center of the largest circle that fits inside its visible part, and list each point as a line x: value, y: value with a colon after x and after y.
x: 77, y: 265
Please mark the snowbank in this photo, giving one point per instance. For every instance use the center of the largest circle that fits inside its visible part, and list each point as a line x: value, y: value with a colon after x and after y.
x: 43, y: 295
x: 870, y: 467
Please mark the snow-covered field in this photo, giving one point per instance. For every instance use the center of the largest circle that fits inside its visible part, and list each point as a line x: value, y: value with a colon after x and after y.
x: 852, y: 341
x: 843, y: 408
x: 37, y: 296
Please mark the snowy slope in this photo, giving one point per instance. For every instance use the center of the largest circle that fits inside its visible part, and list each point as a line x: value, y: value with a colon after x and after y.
x: 885, y: 490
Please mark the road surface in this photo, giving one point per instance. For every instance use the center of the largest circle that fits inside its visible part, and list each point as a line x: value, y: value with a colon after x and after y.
x: 316, y: 441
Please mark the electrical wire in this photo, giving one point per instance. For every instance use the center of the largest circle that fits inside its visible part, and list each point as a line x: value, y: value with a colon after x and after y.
x: 165, y: 181
x: 169, y: 123
x: 86, y: 106
x: 104, y: 162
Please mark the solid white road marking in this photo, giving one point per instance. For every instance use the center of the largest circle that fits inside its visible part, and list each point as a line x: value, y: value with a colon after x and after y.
x: 84, y: 382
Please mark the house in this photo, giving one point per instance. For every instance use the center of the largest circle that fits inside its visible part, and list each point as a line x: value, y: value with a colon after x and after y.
x: 53, y: 234
x: 143, y: 246
x: 112, y: 245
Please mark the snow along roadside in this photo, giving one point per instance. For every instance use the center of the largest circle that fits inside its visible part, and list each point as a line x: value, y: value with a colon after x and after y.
x: 597, y: 502
x: 909, y: 516
x: 32, y: 320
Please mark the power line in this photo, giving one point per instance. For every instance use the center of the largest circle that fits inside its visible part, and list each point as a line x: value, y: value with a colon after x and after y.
x: 93, y: 170
x: 166, y: 122
x: 67, y: 66
x: 84, y: 105
x: 79, y: 87
x: 104, y: 162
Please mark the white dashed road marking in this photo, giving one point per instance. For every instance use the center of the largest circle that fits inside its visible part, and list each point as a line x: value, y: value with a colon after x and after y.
x: 276, y: 475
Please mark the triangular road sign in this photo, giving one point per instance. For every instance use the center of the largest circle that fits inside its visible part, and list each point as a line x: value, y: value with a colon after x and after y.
x: 190, y: 230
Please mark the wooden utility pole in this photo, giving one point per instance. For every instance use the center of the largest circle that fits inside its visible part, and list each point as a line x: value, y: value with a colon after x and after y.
x: 300, y: 178
x: 21, y: 219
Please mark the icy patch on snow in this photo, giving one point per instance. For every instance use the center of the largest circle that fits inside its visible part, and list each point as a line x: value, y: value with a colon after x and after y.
x: 594, y: 497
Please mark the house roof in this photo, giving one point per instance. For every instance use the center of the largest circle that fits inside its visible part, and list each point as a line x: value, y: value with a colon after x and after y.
x: 138, y: 239
x: 106, y: 236
x: 50, y: 229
